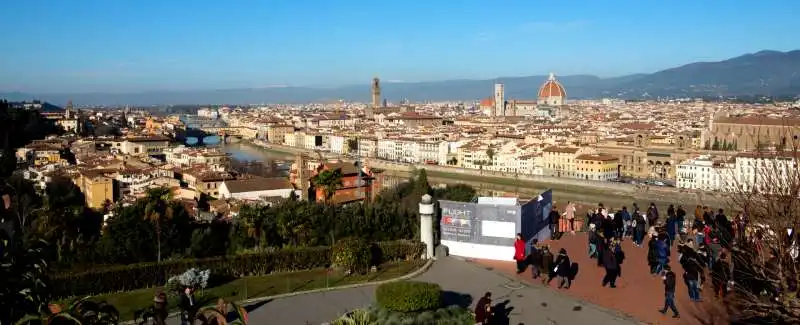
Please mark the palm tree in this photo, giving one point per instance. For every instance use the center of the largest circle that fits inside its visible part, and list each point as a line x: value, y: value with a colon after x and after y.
x: 24, y: 281
x: 328, y: 180
x: 157, y: 208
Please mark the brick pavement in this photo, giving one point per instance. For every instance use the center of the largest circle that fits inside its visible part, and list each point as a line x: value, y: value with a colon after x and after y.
x: 638, y: 294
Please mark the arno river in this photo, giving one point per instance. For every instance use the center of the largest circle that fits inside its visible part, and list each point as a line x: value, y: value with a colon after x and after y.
x: 249, y: 152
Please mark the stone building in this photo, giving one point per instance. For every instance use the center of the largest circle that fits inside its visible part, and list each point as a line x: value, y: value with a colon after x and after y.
x: 752, y: 132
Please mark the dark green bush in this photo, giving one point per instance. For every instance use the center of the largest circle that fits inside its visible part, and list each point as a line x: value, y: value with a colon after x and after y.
x: 352, y: 254
x: 146, y: 275
x: 398, y: 250
x: 409, y: 296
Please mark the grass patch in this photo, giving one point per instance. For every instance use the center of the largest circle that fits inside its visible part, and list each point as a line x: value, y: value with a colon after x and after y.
x: 258, y: 286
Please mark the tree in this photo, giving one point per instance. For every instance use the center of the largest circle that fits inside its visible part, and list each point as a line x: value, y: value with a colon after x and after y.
x: 490, y: 153
x: 24, y: 280
x: 421, y: 186
x: 766, y: 280
x: 157, y: 209
x: 329, y: 181
x: 458, y: 192
x: 715, y: 145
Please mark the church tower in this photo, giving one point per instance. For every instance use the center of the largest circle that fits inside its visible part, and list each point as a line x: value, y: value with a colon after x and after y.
x: 376, y: 94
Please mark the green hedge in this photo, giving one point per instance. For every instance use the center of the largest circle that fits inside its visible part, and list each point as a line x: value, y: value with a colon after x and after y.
x: 352, y: 254
x: 409, y: 296
x: 146, y: 275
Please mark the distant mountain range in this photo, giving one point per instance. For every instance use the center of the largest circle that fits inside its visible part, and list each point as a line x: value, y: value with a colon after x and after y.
x: 765, y: 73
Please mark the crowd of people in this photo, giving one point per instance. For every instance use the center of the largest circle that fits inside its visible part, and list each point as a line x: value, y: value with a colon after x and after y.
x: 706, y: 241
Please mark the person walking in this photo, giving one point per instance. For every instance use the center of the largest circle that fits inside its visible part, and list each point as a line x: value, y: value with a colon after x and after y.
x: 554, y: 223
x: 619, y: 254
x: 569, y: 213
x: 547, y: 264
x: 611, y: 266
x: 640, y: 227
x: 662, y: 251
x: 519, y: 253
x: 189, y: 306
x: 680, y: 217
x: 720, y: 275
x: 691, y: 273
x: 535, y: 259
x: 669, y: 293
x: 626, y: 222
x: 562, y: 269
x: 652, y: 215
x: 483, y: 309
x: 160, y: 308
x: 652, y: 255
x: 593, y: 238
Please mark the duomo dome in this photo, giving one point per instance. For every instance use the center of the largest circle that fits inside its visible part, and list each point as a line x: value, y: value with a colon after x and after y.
x: 552, y: 92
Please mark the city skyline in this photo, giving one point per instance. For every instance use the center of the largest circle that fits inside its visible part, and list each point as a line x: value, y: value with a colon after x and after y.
x: 91, y: 46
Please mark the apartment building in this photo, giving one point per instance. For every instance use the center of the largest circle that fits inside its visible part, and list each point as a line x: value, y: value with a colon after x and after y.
x: 368, y: 147
x: 703, y: 173
x: 596, y: 167
x: 204, y: 181
x: 277, y: 133
x: 148, y: 145
x: 96, y: 188
x: 561, y: 161
x: 765, y: 173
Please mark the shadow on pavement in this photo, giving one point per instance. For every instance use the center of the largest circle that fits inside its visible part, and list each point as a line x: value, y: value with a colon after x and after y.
x: 501, y: 312
x: 451, y: 298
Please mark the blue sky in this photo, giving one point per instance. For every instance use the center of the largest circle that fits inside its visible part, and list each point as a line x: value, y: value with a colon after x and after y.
x: 128, y: 46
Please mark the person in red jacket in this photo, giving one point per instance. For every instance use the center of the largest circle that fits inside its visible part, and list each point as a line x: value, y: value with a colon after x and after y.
x: 519, y: 253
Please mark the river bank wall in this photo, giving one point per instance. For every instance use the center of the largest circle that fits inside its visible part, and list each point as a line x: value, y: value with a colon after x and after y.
x: 566, y: 188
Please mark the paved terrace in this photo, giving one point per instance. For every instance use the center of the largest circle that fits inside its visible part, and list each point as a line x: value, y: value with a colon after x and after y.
x: 638, y: 294
x: 463, y: 281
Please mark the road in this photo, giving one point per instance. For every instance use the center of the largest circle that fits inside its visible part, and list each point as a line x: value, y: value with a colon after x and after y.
x: 468, y: 281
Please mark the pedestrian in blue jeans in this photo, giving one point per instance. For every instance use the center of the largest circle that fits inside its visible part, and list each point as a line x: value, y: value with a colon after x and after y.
x: 669, y: 293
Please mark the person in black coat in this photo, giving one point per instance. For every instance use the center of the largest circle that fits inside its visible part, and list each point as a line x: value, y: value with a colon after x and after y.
x: 547, y: 264
x: 535, y: 259
x: 562, y: 269
x: 601, y: 248
x: 554, y: 218
x: 612, y: 266
x: 669, y: 293
x: 652, y: 255
x: 189, y: 305
x: 720, y: 275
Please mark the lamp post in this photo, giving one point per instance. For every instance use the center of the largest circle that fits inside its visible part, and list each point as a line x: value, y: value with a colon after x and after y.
x: 426, y: 224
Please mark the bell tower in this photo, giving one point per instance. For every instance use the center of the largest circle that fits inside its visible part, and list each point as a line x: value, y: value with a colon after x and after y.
x: 376, y: 94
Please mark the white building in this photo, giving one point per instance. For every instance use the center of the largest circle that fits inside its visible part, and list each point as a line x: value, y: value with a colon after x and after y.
x: 765, y: 173
x: 703, y: 173
x: 338, y: 144
x: 257, y: 188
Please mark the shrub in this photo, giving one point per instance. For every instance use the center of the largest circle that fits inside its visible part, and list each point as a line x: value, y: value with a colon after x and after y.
x: 409, y: 296
x: 398, y: 250
x: 452, y: 315
x: 192, y: 278
x: 146, y: 275
x: 352, y: 254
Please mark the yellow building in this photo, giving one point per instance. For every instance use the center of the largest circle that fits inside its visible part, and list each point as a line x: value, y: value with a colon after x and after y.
x: 97, y: 188
x: 560, y: 161
x: 597, y: 167
x: 205, y: 182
